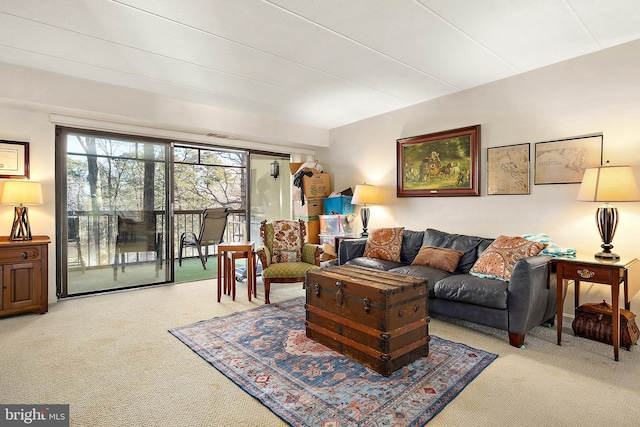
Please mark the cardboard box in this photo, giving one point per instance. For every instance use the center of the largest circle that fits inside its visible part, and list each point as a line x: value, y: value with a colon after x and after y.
x: 311, y: 209
x: 313, y: 230
x: 293, y: 167
x: 317, y: 186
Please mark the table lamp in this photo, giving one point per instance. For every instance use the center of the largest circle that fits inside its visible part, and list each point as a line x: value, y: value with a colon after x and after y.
x: 21, y: 193
x: 365, y: 194
x: 608, y: 184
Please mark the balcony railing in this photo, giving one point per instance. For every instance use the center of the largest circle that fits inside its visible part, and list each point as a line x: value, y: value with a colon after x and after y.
x: 96, y: 233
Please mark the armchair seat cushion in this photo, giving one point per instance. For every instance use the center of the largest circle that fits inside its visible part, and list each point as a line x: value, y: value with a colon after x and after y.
x: 287, y: 270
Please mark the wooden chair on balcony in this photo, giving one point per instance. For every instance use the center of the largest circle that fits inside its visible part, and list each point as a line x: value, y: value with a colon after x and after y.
x: 285, y: 257
x: 136, y: 236
x: 212, y: 226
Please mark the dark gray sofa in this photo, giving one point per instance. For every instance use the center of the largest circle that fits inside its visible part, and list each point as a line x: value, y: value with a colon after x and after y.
x: 517, y: 306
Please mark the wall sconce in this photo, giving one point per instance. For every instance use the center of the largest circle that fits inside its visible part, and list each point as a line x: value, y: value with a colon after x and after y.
x: 275, y: 169
x: 608, y: 184
x: 21, y: 193
x: 365, y: 194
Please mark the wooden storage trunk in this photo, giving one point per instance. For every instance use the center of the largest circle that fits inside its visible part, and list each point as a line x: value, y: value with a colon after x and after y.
x: 377, y: 318
x: 594, y: 321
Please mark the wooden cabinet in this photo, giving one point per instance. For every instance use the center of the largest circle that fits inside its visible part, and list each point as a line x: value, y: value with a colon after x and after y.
x: 24, y: 275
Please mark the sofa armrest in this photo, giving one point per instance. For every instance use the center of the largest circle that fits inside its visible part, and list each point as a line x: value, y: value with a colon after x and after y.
x: 349, y: 249
x: 311, y: 253
x: 529, y: 293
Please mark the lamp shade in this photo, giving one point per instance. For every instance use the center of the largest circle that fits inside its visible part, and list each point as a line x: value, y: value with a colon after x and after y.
x: 365, y: 194
x: 21, y: 192
x: 608, y: 184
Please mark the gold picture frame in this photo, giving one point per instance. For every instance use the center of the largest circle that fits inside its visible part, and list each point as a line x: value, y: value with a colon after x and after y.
x: 444, y: 163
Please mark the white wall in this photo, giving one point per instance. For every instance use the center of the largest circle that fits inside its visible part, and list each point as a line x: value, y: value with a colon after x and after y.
x: 597, y: 93
x: 29, y: 99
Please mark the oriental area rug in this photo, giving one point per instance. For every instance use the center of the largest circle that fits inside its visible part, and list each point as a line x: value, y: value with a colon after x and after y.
x: 265, y: 351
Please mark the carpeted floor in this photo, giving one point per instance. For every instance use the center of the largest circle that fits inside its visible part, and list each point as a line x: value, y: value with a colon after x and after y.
x: 266, y: 352
x: 111, y: 358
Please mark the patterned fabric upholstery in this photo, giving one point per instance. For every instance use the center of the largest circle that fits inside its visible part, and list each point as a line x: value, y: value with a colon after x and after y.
x: 288, y: 269
x: 274, y: 270
x: 287, y: 241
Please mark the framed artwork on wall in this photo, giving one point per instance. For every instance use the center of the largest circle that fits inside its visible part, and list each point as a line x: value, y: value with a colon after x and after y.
x: 444, y: 163
x: 563, y: 161
x: 14, y: 160
x: 508, y: 169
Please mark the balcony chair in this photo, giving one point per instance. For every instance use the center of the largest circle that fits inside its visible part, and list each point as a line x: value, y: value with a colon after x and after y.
x: 212, y: 226
x: 136, y: 236
x: 285, y: 257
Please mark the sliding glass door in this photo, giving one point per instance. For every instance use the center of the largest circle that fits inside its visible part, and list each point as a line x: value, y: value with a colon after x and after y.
x: 113, y: 216
x: 270, y: 192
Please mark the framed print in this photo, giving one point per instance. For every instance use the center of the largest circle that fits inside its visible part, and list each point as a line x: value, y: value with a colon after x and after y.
x: 564, y: 161
x: 444, y: 163
x: 14, y: 160
x: 508, y: 169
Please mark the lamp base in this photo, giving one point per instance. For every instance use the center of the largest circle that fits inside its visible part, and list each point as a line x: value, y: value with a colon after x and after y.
x: 607, y: 220
x: 21, y: 230
x: 364, y: 215
x: 607, y: 256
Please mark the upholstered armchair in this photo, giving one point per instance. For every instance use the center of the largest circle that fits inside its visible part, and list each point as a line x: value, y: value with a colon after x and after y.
x: 285, y: 256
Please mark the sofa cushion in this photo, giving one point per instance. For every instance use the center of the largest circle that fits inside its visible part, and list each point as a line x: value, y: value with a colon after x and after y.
x: 466, y: 244
x: 472, y: 290
x: 378, y: 264
x: 498, y: 260
x: 433, y: 275
x: 385, y: 244
x: 411, y: 244
x: 442, y: 258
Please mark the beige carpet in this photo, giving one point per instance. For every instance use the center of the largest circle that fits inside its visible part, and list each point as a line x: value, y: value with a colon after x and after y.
x: 111, y: 358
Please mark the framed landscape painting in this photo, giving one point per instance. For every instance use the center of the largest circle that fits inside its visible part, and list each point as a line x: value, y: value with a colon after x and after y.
x: 444, y: 163
x: 564, y: 161
x: 508, y: 169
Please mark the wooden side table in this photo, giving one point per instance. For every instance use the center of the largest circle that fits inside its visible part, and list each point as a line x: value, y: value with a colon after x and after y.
x: 235, y: 250
x: 594, y: 270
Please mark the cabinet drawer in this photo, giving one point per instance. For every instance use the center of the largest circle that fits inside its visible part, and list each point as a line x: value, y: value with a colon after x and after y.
x: 589, y: 273
x: 24, y: 253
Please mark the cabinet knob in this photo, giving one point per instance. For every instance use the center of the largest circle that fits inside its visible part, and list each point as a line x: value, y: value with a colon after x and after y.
x: 24, y: 255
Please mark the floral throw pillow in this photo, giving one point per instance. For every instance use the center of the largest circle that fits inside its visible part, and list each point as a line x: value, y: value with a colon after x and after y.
x: 498, y: 260
x: 384, y: 243
x: 287, y: 243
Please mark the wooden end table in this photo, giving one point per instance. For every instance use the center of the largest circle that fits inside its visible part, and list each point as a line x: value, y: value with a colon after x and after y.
x: 235, y: 250
x: 594, y: 270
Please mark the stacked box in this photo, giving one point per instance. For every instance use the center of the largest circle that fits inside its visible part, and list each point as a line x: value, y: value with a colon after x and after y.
x: 338, y: 205
x: 335, y: 225
x: 316, y: 188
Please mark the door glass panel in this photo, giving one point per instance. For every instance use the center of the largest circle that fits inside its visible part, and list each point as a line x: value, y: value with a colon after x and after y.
x: 270, y: 197
x: 206, y: 178
x: 116, y: 204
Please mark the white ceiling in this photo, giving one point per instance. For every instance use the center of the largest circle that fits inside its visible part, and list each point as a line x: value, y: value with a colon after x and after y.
x: 322, y: 63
